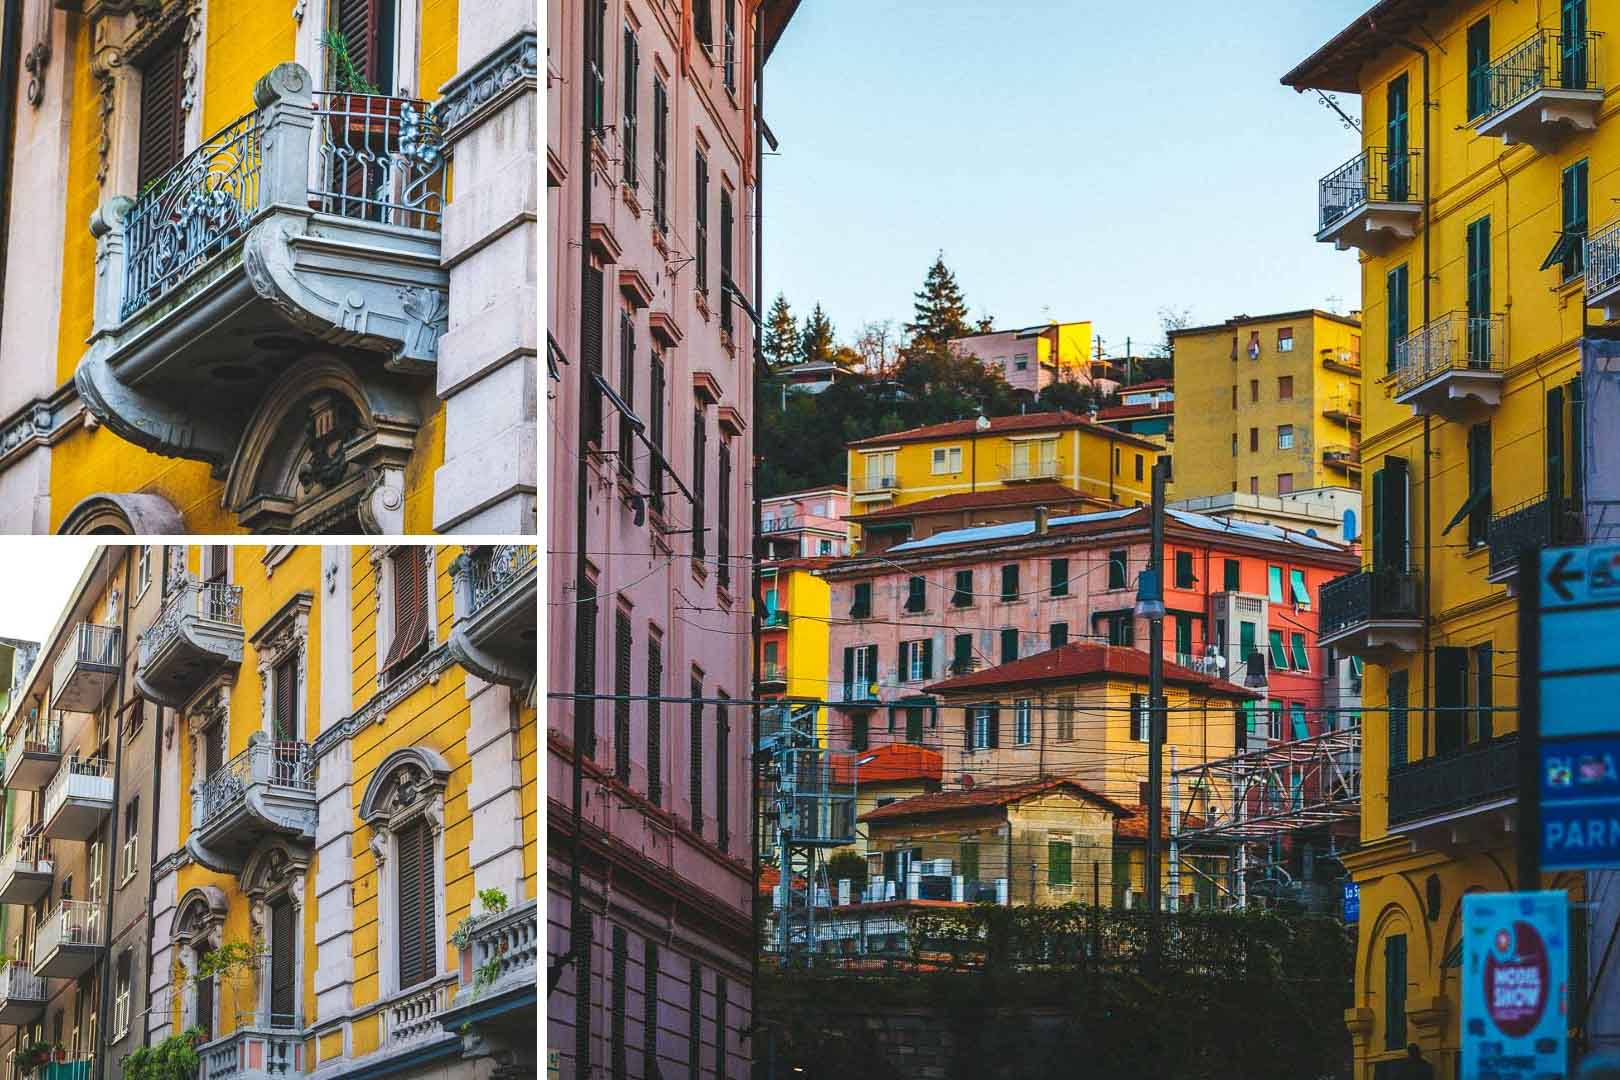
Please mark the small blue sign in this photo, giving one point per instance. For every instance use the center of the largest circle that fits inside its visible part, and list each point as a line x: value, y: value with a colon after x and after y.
x: 1580, y: 803
x: 1580, y: 575
x: 1352, y: 902
x: 1515, y: 985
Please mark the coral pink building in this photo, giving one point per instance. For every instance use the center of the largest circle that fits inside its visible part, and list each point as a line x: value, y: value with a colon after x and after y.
x: 653, y: 155
x: 805, y: 524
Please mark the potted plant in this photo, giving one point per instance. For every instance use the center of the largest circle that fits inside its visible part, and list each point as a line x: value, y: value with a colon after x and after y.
x: 58, y: 1052
x: 355, y: 101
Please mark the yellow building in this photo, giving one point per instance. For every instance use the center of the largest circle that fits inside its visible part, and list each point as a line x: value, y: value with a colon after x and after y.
x: 794, y: 632
x: 269, y: 269
x: 1485, y: 150
x: 1268, y: 404
x: 1032, y: 358
x: 1091, y: 462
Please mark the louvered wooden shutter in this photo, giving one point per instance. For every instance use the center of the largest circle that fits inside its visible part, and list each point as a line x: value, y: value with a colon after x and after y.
x: 205, y: 997
x: 283, y: 987
x: 722, y: 776
x: 410, y: 606
x: 416, y: 941
x: 218, y: 562
x: 694, y: 1017
x: 722, y: 1067
x: 621, y: 703
x: 360, y: 23
x: 621, y: 963
x: 723, y: 518
x: 214, y: 744
x: 591, y: 350
x: 627, y: 391
x: 163, y: 129
x: 1555, y: 450
x: 695, y: 736
x: 585, y: 667
x: 700, y: 453
x: 286, y: 700
x: 655, y: 432
x: 649, y: 1008
x: 655, y: 722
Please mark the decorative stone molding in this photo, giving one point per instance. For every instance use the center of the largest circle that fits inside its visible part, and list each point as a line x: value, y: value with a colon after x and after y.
x: 201, y: 917
x: 125, y: 513
x: 423, y: 671
x: 408, y: 782
x: 285, y: 634
x: 171, y: 863
x: 504, y: 73
x: 277, y: 868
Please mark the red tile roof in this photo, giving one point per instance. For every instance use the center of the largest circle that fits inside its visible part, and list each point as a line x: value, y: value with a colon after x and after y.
x: 1001, y: 425
x: 974, y: 798
x: 1023, y: 495
x: 891, y: 762
x: 1134, y: 825
x: 1151, y: 384
x: 1125, y: 412
x: 1081, y: 660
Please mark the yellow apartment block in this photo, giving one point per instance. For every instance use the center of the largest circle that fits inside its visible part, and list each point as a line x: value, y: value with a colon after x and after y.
x: 1268, y: 404
x: 794, y: 634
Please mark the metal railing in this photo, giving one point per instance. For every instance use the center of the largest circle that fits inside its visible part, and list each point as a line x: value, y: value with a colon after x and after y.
x: 42, y: 738
x: 864, y: 691
x: 1456, y: 341
x: 815, y: 796
x: 777, y: 618
x: 30, y: 854
x: 211, y: 601
x: 192, y: 212
x: 19, y: 983
x: 1339, y: 454
x: 871, y: 482
x: 413, y: 1020
x: 1374, y: 175
x: 282, y: 764
x: 1347, y: 360
x: 781, y: 524
x: 79, y: 778
x: 1530, y: 524
x: 1366, y: 595
x: 1482, y: 773
x: 1345, y: 405
x: 1603, y: 260
x: 1545, y: 59
x: 494, y: 568
x: 772, y: 673
x: 72, y: 922
x: 88, y: 644
x: 1030, y: 470
x: 378, y: 158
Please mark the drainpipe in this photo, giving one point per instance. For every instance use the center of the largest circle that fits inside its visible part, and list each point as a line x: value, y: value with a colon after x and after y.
x: 10, y: 60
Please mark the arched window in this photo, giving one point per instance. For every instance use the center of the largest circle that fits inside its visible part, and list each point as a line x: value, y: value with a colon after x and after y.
x: 404, y: 806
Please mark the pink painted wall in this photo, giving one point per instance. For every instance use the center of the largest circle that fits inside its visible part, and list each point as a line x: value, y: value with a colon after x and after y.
x: 795, y: 525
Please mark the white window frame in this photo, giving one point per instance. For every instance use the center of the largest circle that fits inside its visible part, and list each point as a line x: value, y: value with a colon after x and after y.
x: 981, y: 727
x: 914, y: 662
x: 1285, y: 344
x: 121, y: 1002
x: 1023, y: 726
x: 143, y: 570
x: 1285, y: 436
x: 946, y: 460
x: 1021, y: 361
x: 858, y: 672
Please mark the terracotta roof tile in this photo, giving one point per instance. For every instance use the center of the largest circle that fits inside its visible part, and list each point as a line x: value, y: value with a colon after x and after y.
x: 1079, y: 660
x: 1022, y: 495
x: 944, y: 802
x: 1134, y: 824
x: 891, y: 762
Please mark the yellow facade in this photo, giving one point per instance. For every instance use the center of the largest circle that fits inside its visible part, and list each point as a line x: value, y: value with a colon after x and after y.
x: 1412, y: 878
x: 1233, y: 404
x: 800, y: 634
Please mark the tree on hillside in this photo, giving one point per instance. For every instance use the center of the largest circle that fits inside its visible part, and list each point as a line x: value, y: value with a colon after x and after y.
x: 879, y: 348
x: 941, y: 312
x: 816, y: 342
x: 1069, y: 394
x: 781, y: 334
x: 1170, y: 320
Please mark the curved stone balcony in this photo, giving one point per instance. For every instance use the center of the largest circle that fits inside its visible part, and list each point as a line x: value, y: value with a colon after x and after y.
x: 271, y: 304
x: 497, y: 608
x: 197, y: 635
x: 266, y: 791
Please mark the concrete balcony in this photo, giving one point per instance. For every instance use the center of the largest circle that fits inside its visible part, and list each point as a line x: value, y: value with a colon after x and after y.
x: 254, y: 1051
x: 1536, y: 523
x: 1343, y: 408
x: 1344, y: 458
x: 79, y: 799
x: 1372, y: 202
x: 1542, y: 90
x: 86, y: 668
x: 22, y: 995
x: 234, y: 292
x: 1603, y: 271
x: 27, y: 870
x: 1028, y: 472
x: 870, y: 487
x: 1458, y: 800
x: 773, y: 678
x: 496, y: 612
x: 1372, y: 613
x: 1344, y: 361
x: 1451, y: 365
x: 70, y: 941
x: 197, y: 635
x: 266, y: 791
x: 34, y: 755
x: 497, y: 995
x: 415, y: 1019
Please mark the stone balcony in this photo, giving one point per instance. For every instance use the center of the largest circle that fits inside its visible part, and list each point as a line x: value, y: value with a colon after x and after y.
x: 86, y: 668
x: 1373, y: 201
x: 27, y: 870
x: 254, y: 1051
x: 70, y: 941
x: 78, y: 799
x: 496, y: 612
x: 497, y: 997
x: 266, y: 791
x: 273, y: 304
x: 197, y: 635
x: 33, y: 755
x: 22, y: 995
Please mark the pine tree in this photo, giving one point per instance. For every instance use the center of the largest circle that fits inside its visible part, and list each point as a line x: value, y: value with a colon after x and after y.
x: 941, y: 313
x: 781, y: 334
x: 816, y: 340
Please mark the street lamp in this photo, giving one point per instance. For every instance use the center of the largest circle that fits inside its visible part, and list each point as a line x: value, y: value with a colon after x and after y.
x: 1150, y: 595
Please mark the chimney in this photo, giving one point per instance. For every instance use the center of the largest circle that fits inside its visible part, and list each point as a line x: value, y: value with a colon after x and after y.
x: 1040, y: 520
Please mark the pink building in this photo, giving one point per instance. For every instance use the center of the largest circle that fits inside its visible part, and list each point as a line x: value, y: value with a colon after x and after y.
x: 963, y: 601
x: 653, y: 158
x: 1032, y: 358
x: 805, y: 524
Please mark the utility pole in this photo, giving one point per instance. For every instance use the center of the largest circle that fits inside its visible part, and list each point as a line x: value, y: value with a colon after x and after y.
x: 1156, y: 720
x: 1175, y: 827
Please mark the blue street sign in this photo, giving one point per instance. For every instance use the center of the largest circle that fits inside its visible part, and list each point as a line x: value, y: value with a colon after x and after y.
x: 1515, y: 984
x: 1352, y: 902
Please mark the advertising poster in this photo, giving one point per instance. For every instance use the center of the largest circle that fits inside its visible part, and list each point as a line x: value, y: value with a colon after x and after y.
x: 1515, y: 984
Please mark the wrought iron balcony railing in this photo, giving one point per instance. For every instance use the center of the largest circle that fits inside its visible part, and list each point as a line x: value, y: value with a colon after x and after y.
x: 368, y: 157
x: 284, y: 764
x: 1367, y: 595
x: 494, y: 569
x: 210, y: 601
x: 1372, y: 176
x: 1534, y: 523
x: 90, y: 649
x: 1487, y: 772
x: 1603, y: 261
x: 871, y: 482
x: 1456, y: 341
x: 1547, y: 59
x: 781, y: 524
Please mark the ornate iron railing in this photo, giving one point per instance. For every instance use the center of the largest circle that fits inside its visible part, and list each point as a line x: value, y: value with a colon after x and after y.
x: 1368, y: 594
x: 1603, y: 260
x: 1545, y: 59
x: 493, y: 569
x: 1483, y: 773
x: 1530, y: 524
x: 1456, y: 341
x: 96, y: 646
x: 282, y: 764
x: 192, y: 212
x: 379, y: 159
x: 212, y: 601
x: 73, y: 922
x: 79, y: 778
x: 1374, y: 175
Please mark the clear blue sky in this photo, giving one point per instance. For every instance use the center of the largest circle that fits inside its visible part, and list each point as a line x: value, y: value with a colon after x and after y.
x: 1081, y: 160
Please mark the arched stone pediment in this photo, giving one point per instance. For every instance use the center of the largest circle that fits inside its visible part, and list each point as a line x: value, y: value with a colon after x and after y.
x: 123, y: 513
x: 406, y: 778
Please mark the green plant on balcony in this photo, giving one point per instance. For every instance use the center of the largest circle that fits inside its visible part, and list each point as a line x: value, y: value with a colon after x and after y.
x: 346, y: 74
x: 34, y: 1055
x: 175, y: 1058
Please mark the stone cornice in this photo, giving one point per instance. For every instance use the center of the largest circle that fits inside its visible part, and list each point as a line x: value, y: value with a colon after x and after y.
x: 40, y: 422
x: 512, y: 68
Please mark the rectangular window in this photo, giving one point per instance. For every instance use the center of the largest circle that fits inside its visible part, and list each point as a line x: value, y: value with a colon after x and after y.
x: 1233, y: 579
x: 1274, y: 587
x: 860, y: 729
x: 1009, y: 583
x: 961, y: 654
x: 1060, y: 577
x: 700, y: 242
x: 1390, y: 492
x: 655, y: 433
x: 162, y: 122
x: 1184, y: 635
x: 1058, y: 634
x: 1450, y: 699
x: 722, y: 774
x: 1140, y: 717
x: 1254, y: 390
x: 700, y: 469
x: 1298, y: 642
x: 1116, y: 569
x: 1184, y: 570
x: 916, y: 594
x: 1285, y: 483
x: 729, y: 59
x: 1254, y: 485
x: 1234, y: 445
x: 121, y: 999
x: 418, y: 929
x: 703, y: 23
x: 1298, y: 729
x: 694, y: 736
x: 726, y: 327
x: 1285, y: 436
x: 1009, y: 645
x: 1022, y: 722
x: 982, y: 724
x: 409, y: 571
x: 1234, y: 397
x: 632, y: 67
x: 1279, y: 652
x: 1398, y: 180
x: 1296, y: 588
x: 1477, y: 507
x: 1397, y: 297
x: 1254, y: 440
x: 947, y: 460
x: 860, y: 672
x: 1285, y: 387
x: 1139, y: 466
x: 968, y: 859
x: 1058, y: 857
x: 914, y: 726
x: 621, y: 692
x: 861, y: 608
x: 1285, y: 339
x: 917, y: 660
x: 1396, y: 694
x: 1274, y: 720
x: 1395, y: 992
x: 1121, y: 627
x: 1570, y: 250
x: 1479, y: 63
x: 1479, y: 291
x: 660, y: 156
x: 1065, y: 718
x: 367, y: 27
x: 962, y: 594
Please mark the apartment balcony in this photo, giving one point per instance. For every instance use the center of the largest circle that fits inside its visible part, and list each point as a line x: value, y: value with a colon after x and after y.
x: 22, y: 995
x: 1027, y: 472
x: 266, y: 791
x: 496, y: 612
x: 773, y: 678
x: 1371, y: 202
x: 1603, y: 271
x: 86, y: 668
x: 1447, y: 800
x: 254, y: 1051
x: 34, y: 755
x: 862, y: 693
x: 871, y: 487
x: 1345, y: 458
x: 27, y: 870
x: 70, y: 941
x: 306, y: 226
x: 75, y: 1065
x: 775, y: 620
x: 781, y: 524
x: 1542, y: 89
x: 1343, y: 408
x: 1371, y: 613
x: 499, y: 1007
x: 416, y: 1020
x: 1344, y: 361
x: 1453, y: 363
x: 79, y: 799
x: 1536, y: 523
x: 197, y: 635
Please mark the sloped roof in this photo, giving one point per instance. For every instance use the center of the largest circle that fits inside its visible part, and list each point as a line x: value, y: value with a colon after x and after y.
x: 1003, y: 425
x: 890, y: 763
x: 975, y: 798
x: 1337, y: 64
x: 1134, y: 825
x: 1127, y: 412
x: 1082, y: 660
x: 1022, y: 495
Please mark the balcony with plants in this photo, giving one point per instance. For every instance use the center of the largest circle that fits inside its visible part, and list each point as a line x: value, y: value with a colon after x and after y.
x: 1371, y: 613
x: 70, y: 940
x: 27, y: 869
x: 266, y: 792
x: 495, y: 992
x: 86, y: 668
x: 1542, y: 90
x: 496, y: 612
x: 1373, y: 201
x: 78, y: 799
x: 34, y: 754
x: 197, y: 635
x: 1450, y: 365
x: 309, y: 225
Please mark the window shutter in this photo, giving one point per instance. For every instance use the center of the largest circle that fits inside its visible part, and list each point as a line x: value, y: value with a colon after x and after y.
x: 416, y: 930
x: 655, y: 433
x: 1397, y: 717
x: 1484, y: 689
x: 655, y: 722
x: 1555, y: 450
x: 723, y: 519
x: 849, y: 671
x: 1138, y: 728
x: 286, y: 700
x: 219, y: 562
x: 1009, y: 582
x: 1577, y: 437
x: 967, y: 715
x: 1450, y: 698
x: 695, y: 737
x: 591, y: 347
x: 627, y: 391
x: 720, y: 1009
x: 1060, y: 577
x: 205, y: 997
x: 722, y: 776
x: 1378, y: 519
x: 1395, y: 991
x: 928, y: 658
x: 995, y: 727
x: 694, y: 1016
x: 585, y: 662
x: 162, y: 124
x: 632, y: 67
x: 649, y: 1007
x: 1009, y: 645
x: 283, y: 943
x: 962, y: 652
x: 410, y: 606
x: 214, y: 744
x: 621, y: 703
x: 902, y: 673
x: 360, y: 24
x: 700, y: 455
x: 621, y: 963
x: 1396, y: 533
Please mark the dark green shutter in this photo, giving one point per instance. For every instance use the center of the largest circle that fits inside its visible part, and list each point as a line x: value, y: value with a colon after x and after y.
x: 962, y: 653
x: 1059, y: 858
x: 1572, y: 26
x: 1484, y: 690
x: 655, y: 722
x: 1058, y: 635
x: 1397, y: 717
x: 1577, y: 457
x: 621, y: 694
x: 1395, y: 992
x: 995, y: 727
x: 1009, y: 582
x: 1009, y: 645
x: 1395, y: 127
x: 1060, y: 577
x: 1394, y: 521
x: 902, y: 670
x: 1555, y: 451
x: 695, y: 750
x: 1479, y: 62
x: 632, y: 66
x: 1396, y: 301
x: 1450, y: 699
x: 1479, y: 483
x: 928, y: 658
x: 591, y: 331
x: 1233, y: 578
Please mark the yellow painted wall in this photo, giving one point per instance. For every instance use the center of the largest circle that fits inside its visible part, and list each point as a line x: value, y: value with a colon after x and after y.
x: 1205, y: 373
x: 809, y: 606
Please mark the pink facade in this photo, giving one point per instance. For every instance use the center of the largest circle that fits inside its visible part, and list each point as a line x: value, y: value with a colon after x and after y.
x: 805, y: 524
x: 1101, y: 556
x: 1016, y: 354
x: 650, y: 295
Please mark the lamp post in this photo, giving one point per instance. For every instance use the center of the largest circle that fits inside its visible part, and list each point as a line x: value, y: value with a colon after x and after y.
x: 1150, y: 606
